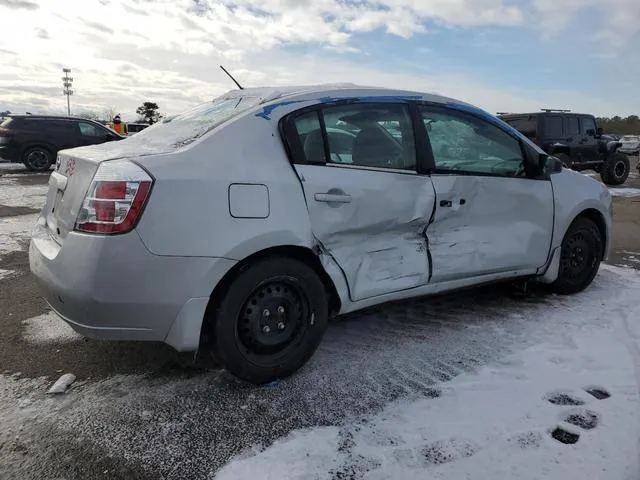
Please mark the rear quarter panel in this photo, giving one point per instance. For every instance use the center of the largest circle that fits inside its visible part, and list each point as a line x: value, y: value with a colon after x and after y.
x: 573, y: 194
x: 189, y: 214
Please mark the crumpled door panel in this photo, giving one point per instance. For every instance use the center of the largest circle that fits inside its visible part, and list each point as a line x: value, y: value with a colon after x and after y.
x: 374, y: 228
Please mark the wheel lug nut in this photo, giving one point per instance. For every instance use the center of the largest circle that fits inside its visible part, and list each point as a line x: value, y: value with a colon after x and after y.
x: 266, y: 313
x: 266, y: 329
x: 280, y: 309
x: 281, y: 326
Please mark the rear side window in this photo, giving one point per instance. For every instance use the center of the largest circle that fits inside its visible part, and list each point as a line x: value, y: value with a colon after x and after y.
x: 90, y: 130
x: 528, y: 126
x: 364, y: 135
x: 572, y: 125
x: 552, y: 126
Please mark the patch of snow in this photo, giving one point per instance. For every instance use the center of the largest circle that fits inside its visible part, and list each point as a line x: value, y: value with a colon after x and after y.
x: 5, y: 273
x: 48, y: 328
x: 15, y: 232
x: 12, y: 194
x: 497, y: 423
x: 625, y: 192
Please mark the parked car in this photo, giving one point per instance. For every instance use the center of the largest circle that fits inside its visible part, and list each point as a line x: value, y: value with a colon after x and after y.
x: 240, y: 227
x: 576, y: 140
x: 36, y: 139
x: 132, y: 128
x: 630, y: 144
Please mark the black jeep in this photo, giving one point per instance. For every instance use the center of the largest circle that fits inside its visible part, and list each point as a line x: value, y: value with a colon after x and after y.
x: 575, y: 139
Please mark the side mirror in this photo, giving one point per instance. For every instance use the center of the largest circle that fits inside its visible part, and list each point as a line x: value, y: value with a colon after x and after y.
x: 549, y: 164
x: 600, y: 131
x: 591, y: 132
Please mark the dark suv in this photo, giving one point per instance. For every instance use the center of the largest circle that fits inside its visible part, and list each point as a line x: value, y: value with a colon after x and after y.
x: 35, y: 140
x: 575, y: 139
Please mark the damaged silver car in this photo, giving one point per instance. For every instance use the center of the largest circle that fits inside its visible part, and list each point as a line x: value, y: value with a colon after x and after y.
x: 242, y: 226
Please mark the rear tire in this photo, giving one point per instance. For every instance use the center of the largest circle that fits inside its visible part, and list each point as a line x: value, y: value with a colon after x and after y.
x: 271, y: 320
x: 37, y: 159
x: 580, y: 257
x: 615, y: 170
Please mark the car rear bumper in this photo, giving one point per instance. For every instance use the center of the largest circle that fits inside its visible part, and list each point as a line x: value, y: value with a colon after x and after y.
x: 113, y: 288
x: 9, y: 153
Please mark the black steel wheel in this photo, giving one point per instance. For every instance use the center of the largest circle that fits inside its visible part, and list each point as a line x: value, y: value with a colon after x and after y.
x: 580, y: 257
x: 37, y: 159
x: 271, y: 320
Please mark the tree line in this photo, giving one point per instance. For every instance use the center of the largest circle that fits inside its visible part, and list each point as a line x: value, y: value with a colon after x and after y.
x: 620, y: 126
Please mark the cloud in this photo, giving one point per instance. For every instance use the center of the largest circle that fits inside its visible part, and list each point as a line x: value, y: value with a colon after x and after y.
x: 17, y: 4
x: 100, y: 27
x: 124, y: 52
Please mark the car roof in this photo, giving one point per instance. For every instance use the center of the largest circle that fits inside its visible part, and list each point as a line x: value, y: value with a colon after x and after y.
x: 52, y: 117
x: 269, y: 94
x: 533, y: 114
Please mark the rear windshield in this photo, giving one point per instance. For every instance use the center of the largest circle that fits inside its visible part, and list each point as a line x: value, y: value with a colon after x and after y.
x: 180, y: 130
x: 528, y: 126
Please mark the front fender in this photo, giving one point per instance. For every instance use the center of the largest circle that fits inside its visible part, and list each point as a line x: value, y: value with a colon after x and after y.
x: 574, y: 194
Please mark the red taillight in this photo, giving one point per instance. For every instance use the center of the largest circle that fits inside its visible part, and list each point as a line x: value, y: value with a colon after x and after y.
x: 114, y: 206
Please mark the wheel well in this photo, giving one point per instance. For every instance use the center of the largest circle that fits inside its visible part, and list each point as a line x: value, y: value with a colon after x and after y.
x: 302, y: 254
x: 596, y: 217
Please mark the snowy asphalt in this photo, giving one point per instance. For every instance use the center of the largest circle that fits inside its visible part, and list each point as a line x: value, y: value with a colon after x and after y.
x: 376, y: 401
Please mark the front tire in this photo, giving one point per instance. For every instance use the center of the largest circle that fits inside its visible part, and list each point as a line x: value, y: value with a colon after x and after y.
x: 580, y: 257
x: 37, y: 159
x: 615, y: 170
x: 271, y: 320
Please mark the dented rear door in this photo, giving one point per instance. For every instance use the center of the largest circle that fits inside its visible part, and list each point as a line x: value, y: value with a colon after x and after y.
x: 373, y: 224
x: 368, y: 206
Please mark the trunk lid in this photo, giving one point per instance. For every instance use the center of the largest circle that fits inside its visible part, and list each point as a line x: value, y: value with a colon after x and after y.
x: 68, y: 185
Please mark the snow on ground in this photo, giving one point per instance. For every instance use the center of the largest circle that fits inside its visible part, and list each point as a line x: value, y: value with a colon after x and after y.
x: 15, y: 232
x: 448, y: 387
x: 48, y: 328
x: 499, y: 422
x: 625, y: 192
x: 14, y: 194
x: 5, y: 273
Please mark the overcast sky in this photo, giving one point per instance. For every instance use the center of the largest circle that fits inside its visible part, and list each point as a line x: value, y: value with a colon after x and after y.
x: 502, y: 55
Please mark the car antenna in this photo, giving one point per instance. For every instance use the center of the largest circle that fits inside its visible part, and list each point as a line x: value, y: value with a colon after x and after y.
x: 231, y: 77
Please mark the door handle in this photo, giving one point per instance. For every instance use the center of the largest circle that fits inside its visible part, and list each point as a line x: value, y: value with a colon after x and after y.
x: 332, y: 197
x: 449, y: 203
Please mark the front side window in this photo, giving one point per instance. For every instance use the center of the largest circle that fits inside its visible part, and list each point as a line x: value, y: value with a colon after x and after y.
x: 467, y: 144
x: 89, y: 130
x: 588, y: 124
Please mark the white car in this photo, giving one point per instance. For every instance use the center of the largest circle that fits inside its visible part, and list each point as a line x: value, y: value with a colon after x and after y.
x: 252, y: 219
x: 630, y: 145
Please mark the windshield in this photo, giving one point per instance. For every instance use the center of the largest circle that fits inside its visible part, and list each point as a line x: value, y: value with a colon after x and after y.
x: 629, y: 138
x: 183, y: 129
x: 5, y: 122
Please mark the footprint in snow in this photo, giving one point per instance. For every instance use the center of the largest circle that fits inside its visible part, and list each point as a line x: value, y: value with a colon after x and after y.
x: 582, y: 419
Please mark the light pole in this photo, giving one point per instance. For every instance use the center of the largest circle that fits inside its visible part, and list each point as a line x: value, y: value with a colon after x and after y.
x: 67, y: 81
